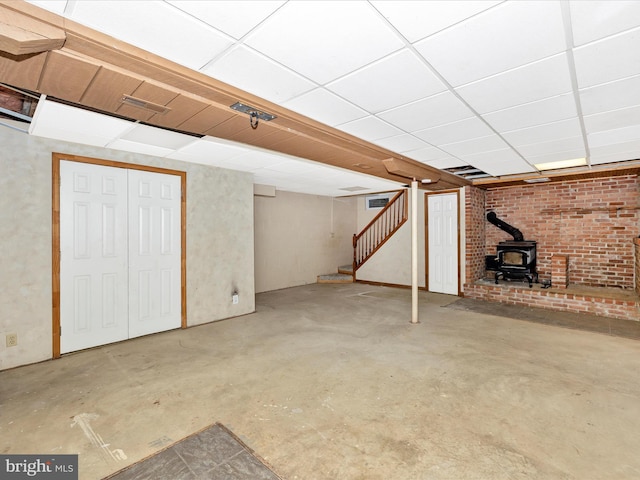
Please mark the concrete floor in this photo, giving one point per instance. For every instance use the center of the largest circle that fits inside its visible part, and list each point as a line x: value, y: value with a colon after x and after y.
x: 332, y: 382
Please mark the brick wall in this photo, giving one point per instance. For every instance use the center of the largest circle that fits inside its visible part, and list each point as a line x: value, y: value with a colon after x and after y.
x: 636, y: 242
x: 474, y: 234
x: 592, y: 221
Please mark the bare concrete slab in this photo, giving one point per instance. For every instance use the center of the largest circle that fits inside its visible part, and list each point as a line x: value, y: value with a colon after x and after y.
x: 332, y: 381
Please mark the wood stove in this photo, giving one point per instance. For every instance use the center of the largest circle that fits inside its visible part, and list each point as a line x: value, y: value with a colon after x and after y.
x: 514, y: 258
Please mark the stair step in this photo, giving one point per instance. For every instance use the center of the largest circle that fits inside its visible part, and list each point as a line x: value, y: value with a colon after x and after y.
x: 346, y: 269
x: 335, y: 278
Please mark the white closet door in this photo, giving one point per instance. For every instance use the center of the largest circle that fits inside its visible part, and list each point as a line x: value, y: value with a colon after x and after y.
x: 154, y: 253
x: 443, y: 243
x: 93, y: 262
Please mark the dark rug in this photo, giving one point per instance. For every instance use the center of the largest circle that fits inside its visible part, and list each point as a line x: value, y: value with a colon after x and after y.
x: 213, y: 453
x: 576, y: 321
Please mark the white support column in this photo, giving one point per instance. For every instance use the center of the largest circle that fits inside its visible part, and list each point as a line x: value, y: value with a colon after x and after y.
x: 414, y: 251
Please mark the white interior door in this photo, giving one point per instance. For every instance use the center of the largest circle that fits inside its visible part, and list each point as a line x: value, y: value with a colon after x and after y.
x: 93, y: 261
x: 120, y: 254
x: 154, y: 253
x: 442, y: 233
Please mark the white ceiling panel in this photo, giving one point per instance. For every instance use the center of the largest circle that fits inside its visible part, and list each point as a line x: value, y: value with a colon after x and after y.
x: 447, y: 162
x: 454, y: 132
x: 535, y: 81
x: 158, y: 137
x: 325, y: 107
x: 63, y: 122
x: 476, y: 145
x: 550, y: 131
x: 208, y: 149
x: 317, y: 34
x: 429, y: 112
x: 142, y: 148
x: 155, y: 26
x: 417, y: 20
x: 612, y: 119
x: 496, y: 40
x: 617, y: 136
x: 609, y: 59
x: 499, y: 162
x: 593, y: 20
x: 616, y: 153
x: 611, y: 96
x: 401, y: 143
x: 370, y: 128
x: 252, y: 72
x: 562, y: 145
x: 233, y: 17
x: 552, y: 109
x: 430, y: 155
x: 364, y: 86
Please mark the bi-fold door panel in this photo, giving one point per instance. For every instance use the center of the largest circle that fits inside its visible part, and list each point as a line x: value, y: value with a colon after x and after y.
x: 442, y: 231
x: 120, y: 264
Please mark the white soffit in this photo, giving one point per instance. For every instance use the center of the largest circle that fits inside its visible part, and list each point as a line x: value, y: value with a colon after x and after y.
x: 63, y: 122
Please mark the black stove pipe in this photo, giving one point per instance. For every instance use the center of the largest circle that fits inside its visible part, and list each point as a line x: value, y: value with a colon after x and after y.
x: 513, y: 231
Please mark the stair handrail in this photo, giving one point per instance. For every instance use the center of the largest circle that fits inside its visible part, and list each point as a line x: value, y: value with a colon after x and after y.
x: 380, y: 229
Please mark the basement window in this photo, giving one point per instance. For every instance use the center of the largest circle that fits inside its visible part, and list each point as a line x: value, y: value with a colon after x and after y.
x: 376, y: 202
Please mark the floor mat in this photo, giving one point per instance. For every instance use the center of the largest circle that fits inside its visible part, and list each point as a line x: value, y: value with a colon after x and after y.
x: 577, y: 321
x: 213, y: 453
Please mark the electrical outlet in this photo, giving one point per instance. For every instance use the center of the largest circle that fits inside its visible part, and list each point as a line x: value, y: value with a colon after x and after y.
x: 235, y: 299
x: 12, y: 339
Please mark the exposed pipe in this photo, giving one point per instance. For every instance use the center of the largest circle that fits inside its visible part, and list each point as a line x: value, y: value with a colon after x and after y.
x: 414, y: 251
x: 511, y: 230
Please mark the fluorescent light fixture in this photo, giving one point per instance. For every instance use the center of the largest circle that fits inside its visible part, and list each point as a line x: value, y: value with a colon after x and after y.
x: 575, y: 162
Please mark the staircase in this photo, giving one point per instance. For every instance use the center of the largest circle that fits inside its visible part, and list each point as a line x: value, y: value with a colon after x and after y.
x: 344, y: 275
x: 372, y: 237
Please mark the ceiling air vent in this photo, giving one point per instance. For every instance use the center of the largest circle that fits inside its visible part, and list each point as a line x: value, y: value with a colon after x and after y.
x: 144, y: 104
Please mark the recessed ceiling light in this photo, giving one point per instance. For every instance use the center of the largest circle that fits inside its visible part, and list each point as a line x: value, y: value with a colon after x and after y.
x: 575, y: 162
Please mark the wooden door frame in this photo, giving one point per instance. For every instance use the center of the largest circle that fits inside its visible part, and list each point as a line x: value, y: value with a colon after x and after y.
x: 55, y: 232
x: 426, y: 234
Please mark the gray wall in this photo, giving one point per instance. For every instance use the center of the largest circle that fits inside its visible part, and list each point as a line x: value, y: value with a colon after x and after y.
x: 220, y: 248
x: 298, y: 237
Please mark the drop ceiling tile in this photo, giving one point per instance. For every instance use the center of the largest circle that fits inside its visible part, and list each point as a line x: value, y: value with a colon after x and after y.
x: 208, y: 148
x: 466, y: 129
x: 429, y: 155
x: 476, y: 145
x: 401, y: 143
x: 252, y: 72
x: 155, y: 26
x: 556, y: 156
x: 325, y: 107
x: 417, y: 20
x: 562, y: 145
x: 436, y: 110
x: 55, y: 6
x: 447, y: 162
x: 612, y: 119
x: 611, y: 96
x: 535, y: 81
x: 499, y: 162
x: 142, y: 148
x: 595, y: 20
x: 158, y: 137
x: 230, y: 16
x: 613, y: 137
x: 615, y: 153
x: 317, y: 34
x: 363, y: 86
x: 502, y: 38
x: 612, y: 58
x: 252, y: 161
x: 71, y: 124
x: 552, y: 109
x: 541, y: 133
x: 369, y: 128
